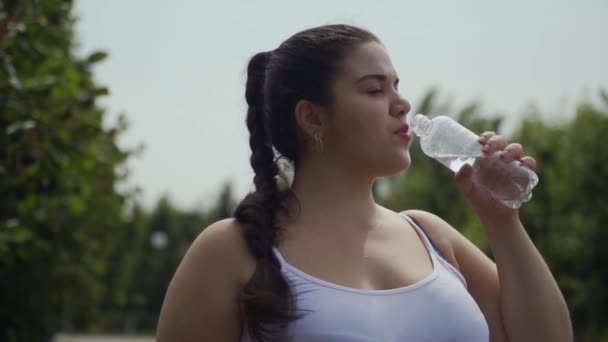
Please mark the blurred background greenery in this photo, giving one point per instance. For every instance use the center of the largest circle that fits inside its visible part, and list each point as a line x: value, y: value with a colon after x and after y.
x: 78, y: 254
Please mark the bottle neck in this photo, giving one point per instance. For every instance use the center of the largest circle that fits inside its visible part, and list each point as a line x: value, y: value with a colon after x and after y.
x: 421, y: 125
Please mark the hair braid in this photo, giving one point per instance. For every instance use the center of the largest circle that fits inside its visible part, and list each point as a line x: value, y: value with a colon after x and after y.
x: 267, y: 295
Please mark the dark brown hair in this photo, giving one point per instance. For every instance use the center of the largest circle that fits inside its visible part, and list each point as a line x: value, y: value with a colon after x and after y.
x: 301, y: 68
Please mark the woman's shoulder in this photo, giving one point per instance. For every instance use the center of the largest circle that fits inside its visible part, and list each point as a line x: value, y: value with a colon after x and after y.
x: 224, y: 243
x: 203, y: 294
x: 431, y: 223
x: 443, y: 235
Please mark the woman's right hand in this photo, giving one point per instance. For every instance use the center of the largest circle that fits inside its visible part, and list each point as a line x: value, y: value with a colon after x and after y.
x: 485, y: 205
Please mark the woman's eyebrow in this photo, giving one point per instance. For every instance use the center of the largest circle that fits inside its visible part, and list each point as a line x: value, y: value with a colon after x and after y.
x: 379, y: 77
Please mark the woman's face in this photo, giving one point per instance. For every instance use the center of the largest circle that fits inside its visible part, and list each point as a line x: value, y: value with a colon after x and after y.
x: 367, y: 114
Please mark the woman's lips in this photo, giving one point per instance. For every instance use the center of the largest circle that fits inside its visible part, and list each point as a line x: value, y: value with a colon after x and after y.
x: 402, y: 132
x: 404, y: 136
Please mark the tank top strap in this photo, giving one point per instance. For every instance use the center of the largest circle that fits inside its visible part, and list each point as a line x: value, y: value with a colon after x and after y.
x: 277, y: 254
x: 426, y: 237
x: 434, y: 249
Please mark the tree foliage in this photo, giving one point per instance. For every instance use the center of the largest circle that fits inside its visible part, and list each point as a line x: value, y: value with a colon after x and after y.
x: 60, y: 212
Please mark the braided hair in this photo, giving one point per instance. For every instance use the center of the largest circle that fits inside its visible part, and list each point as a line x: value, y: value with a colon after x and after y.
x: 301, y: 68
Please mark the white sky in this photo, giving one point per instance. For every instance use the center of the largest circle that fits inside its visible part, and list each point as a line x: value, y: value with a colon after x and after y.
x: 176, y: 68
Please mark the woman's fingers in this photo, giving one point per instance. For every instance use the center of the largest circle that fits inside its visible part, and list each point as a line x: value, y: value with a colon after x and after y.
x: 494, y: 143
x: 508, y: 152
x: 485, y: 136
x: 529, y: 162
x: 512, y: 152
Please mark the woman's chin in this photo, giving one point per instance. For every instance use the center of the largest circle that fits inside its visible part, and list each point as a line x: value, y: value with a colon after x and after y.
x: 396, y: 166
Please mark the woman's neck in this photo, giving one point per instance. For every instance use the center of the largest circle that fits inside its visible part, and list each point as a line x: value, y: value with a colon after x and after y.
x: 331, y: 198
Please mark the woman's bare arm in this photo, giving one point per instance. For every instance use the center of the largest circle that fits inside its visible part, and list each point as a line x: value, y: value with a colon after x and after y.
x: 518, y: 295
x: 201, y: 303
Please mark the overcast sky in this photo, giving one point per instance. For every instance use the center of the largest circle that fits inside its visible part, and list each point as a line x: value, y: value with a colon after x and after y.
x: 176, y: 68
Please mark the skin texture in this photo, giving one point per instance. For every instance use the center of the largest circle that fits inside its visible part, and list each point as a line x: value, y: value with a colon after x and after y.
x: 342, y: 236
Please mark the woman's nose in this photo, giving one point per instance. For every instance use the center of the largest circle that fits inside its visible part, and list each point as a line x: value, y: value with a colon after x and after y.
x: 401, y: 107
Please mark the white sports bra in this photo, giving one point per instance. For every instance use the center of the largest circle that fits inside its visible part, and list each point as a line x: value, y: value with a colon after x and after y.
x: 437, y: 308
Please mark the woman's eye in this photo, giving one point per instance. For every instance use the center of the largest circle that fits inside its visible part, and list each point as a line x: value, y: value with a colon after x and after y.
x: 375, y: 91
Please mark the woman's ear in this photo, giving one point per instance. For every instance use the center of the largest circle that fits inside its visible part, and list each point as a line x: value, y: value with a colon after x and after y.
x: 311, y: 118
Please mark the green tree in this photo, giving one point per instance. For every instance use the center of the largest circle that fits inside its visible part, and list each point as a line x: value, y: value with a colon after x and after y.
x: 162, y: 238
x: 60, y: 212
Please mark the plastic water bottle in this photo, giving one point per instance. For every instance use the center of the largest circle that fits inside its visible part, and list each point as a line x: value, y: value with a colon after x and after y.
x: 453, y: 145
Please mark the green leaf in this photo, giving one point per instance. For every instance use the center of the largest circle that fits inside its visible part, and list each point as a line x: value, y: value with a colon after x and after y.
x: 97, y: 57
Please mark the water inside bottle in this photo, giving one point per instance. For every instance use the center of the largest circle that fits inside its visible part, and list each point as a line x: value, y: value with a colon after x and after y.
x: 454, y: 161
x: 511, y: 185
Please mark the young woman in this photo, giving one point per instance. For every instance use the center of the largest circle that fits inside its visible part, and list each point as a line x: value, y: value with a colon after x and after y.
x: 319, y: 260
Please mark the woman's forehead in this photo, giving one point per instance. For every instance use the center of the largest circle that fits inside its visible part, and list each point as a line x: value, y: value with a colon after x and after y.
x: 368, y: 58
